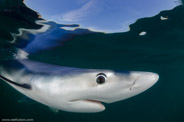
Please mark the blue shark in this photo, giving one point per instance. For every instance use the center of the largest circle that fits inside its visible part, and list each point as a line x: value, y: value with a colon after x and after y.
x: 74, y: 89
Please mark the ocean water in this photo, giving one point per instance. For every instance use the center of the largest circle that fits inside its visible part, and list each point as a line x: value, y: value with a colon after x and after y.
x: 161, y: 50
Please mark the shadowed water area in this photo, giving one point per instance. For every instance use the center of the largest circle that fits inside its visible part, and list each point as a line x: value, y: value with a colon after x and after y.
x: 160, y: 50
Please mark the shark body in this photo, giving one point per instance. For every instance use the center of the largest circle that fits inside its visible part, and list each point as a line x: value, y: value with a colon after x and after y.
x: 74, y: 89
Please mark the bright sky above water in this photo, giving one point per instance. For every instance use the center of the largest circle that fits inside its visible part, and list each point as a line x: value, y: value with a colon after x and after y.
x: 100, y: 15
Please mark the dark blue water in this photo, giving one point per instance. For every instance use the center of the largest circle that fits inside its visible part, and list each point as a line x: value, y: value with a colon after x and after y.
x: 161, y: 50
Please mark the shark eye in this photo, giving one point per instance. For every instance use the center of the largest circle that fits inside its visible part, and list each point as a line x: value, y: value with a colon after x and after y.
x: 101, y: 78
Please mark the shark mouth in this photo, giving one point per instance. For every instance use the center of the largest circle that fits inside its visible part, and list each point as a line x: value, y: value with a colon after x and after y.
x: 91, y: 103
x: 94, y: 102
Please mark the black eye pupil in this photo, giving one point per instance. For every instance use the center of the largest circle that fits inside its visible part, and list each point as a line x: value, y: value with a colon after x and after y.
x: 100, y: 80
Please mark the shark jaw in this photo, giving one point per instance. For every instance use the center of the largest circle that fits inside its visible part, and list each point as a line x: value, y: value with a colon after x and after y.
x: 89, y: 106
x: 99, y: 103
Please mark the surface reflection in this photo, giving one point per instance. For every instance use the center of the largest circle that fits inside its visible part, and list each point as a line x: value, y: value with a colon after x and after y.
x: 100, y: 15
x: 50, y: 35
x: 25, y: 34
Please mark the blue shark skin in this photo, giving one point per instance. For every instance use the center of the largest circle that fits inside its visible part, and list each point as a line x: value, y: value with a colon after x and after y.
x: 74, y: 89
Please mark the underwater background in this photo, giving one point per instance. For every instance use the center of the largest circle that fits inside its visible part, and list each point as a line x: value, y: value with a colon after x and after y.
x: 161, y: 51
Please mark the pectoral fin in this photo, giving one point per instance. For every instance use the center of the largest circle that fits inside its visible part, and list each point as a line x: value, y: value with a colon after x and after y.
x: 25, y: 85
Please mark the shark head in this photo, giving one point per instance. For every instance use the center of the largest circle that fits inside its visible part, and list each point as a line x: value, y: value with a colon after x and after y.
x: 74, y: 89
x: 86, y: 91
x: 91, y: 89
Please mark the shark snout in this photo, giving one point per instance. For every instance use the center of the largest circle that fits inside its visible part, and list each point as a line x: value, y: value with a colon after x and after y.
x: 144, y: 81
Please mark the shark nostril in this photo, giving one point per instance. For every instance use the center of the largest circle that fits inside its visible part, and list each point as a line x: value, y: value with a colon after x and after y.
x: 144, y: 82
x: 134, y: 84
